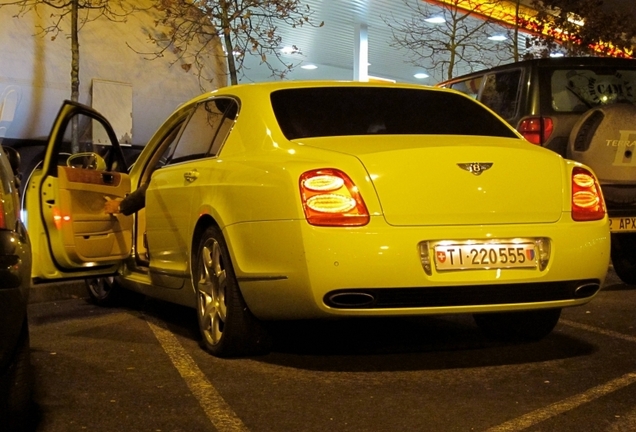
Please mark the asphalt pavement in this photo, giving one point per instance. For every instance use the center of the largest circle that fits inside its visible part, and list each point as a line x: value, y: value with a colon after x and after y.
x: 140, y: 368
x: 55, y: 291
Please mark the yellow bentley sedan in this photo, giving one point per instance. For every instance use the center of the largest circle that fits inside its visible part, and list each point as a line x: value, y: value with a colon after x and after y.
x: 294, y: 200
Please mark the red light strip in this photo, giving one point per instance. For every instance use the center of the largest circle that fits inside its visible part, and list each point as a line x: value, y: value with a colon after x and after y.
x: 526, y: 20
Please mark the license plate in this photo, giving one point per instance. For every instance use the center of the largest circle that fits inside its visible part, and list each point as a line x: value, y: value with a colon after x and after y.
x: 485, y: 256
x: 623, y: 224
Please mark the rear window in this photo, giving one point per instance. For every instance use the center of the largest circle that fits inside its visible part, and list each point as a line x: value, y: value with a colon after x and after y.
x: 501, y: 92
x: 469, y: 87
x: 341, y: 111
x: 577, y: 90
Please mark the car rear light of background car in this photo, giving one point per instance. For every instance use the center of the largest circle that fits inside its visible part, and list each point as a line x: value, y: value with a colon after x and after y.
x: 537, y: 130
x: 330, y: 198
x: 587, y: 199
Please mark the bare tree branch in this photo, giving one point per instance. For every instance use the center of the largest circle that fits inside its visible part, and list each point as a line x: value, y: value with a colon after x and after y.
x: 245, y: 27
x: 459, y: 43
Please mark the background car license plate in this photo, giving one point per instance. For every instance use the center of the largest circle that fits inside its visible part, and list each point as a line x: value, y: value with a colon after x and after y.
x: 485, y: 256
x: 625, y: 224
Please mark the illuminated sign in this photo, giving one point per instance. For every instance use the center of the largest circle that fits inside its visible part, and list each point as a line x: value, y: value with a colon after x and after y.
x: 505, y: 12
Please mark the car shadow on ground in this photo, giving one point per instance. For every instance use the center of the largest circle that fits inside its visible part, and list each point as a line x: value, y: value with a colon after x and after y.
x: 374, y: 344
x: 440, y: 342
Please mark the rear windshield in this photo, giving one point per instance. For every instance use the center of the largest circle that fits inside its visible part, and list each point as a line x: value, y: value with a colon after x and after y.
x: 577, y: 90
x: 340, y: 111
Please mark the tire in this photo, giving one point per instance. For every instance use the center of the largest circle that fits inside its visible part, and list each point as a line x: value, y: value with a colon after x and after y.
x: 228, y: 328
x: 518, y: 326
x: 105, y: 291
x: 16, y: 387
x: 624, y: 257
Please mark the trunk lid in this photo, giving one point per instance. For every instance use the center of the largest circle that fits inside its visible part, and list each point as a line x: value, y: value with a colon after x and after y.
x: 427, y: 180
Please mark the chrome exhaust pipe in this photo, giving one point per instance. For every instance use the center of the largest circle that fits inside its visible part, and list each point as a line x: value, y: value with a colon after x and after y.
x: 586, y: 290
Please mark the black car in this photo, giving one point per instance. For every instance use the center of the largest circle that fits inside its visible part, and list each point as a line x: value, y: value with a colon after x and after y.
x: 15, y: 282
x: 583, y: 108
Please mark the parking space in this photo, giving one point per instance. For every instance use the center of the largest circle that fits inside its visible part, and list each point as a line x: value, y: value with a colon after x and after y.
x: 142, y: 369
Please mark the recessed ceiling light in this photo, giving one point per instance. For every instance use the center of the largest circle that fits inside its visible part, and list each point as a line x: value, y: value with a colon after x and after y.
x: 498, y: 38
x: 435, y: 20
x: 288, y: 50
x: 309, y: 66
x: 420, y: 75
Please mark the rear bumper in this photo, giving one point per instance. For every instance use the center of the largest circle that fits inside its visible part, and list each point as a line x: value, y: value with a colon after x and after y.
x: 291, y: 270
x: 480, y: 295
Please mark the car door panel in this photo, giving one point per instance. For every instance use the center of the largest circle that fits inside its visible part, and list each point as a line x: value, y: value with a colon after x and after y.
x: 72, y: 234
x: 168, y: 215
x: 79, y: 229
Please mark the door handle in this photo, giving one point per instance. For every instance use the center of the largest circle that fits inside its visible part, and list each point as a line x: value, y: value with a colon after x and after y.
x: 191, y: 176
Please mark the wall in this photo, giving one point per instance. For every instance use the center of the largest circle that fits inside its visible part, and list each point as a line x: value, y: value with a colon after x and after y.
x: 35, y: 72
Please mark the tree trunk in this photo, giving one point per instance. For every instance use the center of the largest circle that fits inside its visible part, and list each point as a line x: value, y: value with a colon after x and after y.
x: 74, y: 52
x: 75, y: 82
x: 515, y: 48
x: 231, y: 66
x: 227, y: 41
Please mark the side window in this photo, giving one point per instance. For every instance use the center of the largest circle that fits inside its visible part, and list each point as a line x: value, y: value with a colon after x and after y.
x: 469, y: 86
x: 166, y: 148
x: 81, y: 146
x: 501, y: 92
x: 197, y: 137
x: 231, y: 110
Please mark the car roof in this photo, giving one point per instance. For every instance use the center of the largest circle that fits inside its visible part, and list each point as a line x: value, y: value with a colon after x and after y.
x: 557, y: 62
x: 252, y: 89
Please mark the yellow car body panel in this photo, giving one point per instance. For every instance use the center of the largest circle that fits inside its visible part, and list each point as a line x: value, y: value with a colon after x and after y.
x: 420, y: 191
x: 303, y: 264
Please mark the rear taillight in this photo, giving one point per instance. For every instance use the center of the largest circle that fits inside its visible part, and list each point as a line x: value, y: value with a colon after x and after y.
x: 537, y: 130
x: 330, y: 198
x: 587, y: 199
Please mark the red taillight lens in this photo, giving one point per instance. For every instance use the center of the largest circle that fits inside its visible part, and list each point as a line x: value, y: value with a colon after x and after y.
x: 587, y: 199
x: 537, y: 130
x: 330, y: 198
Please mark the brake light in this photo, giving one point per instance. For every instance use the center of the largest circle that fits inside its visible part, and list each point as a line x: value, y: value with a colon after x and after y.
x: 330, y: 198
x: 587, y: 199
x: 537, y: 130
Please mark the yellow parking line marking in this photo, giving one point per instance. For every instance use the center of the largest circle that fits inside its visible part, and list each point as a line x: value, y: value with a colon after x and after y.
x: 598, y: 330
x: 218, y: 411
x: 568, y: 404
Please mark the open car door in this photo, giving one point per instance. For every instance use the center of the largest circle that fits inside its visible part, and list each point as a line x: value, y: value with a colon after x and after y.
x: 83, y: 166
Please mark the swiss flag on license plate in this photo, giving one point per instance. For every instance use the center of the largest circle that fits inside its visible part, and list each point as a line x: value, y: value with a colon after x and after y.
x: 441, y: 256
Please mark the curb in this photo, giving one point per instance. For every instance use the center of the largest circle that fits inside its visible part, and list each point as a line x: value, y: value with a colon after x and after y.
x: 65, y: 290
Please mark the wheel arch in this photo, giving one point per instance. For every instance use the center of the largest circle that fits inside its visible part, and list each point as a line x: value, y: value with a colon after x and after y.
x: 203, y: 223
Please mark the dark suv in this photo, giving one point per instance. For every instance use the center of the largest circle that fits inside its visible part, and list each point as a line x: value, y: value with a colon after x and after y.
x: 585, y: 110
x: 15, y: 282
